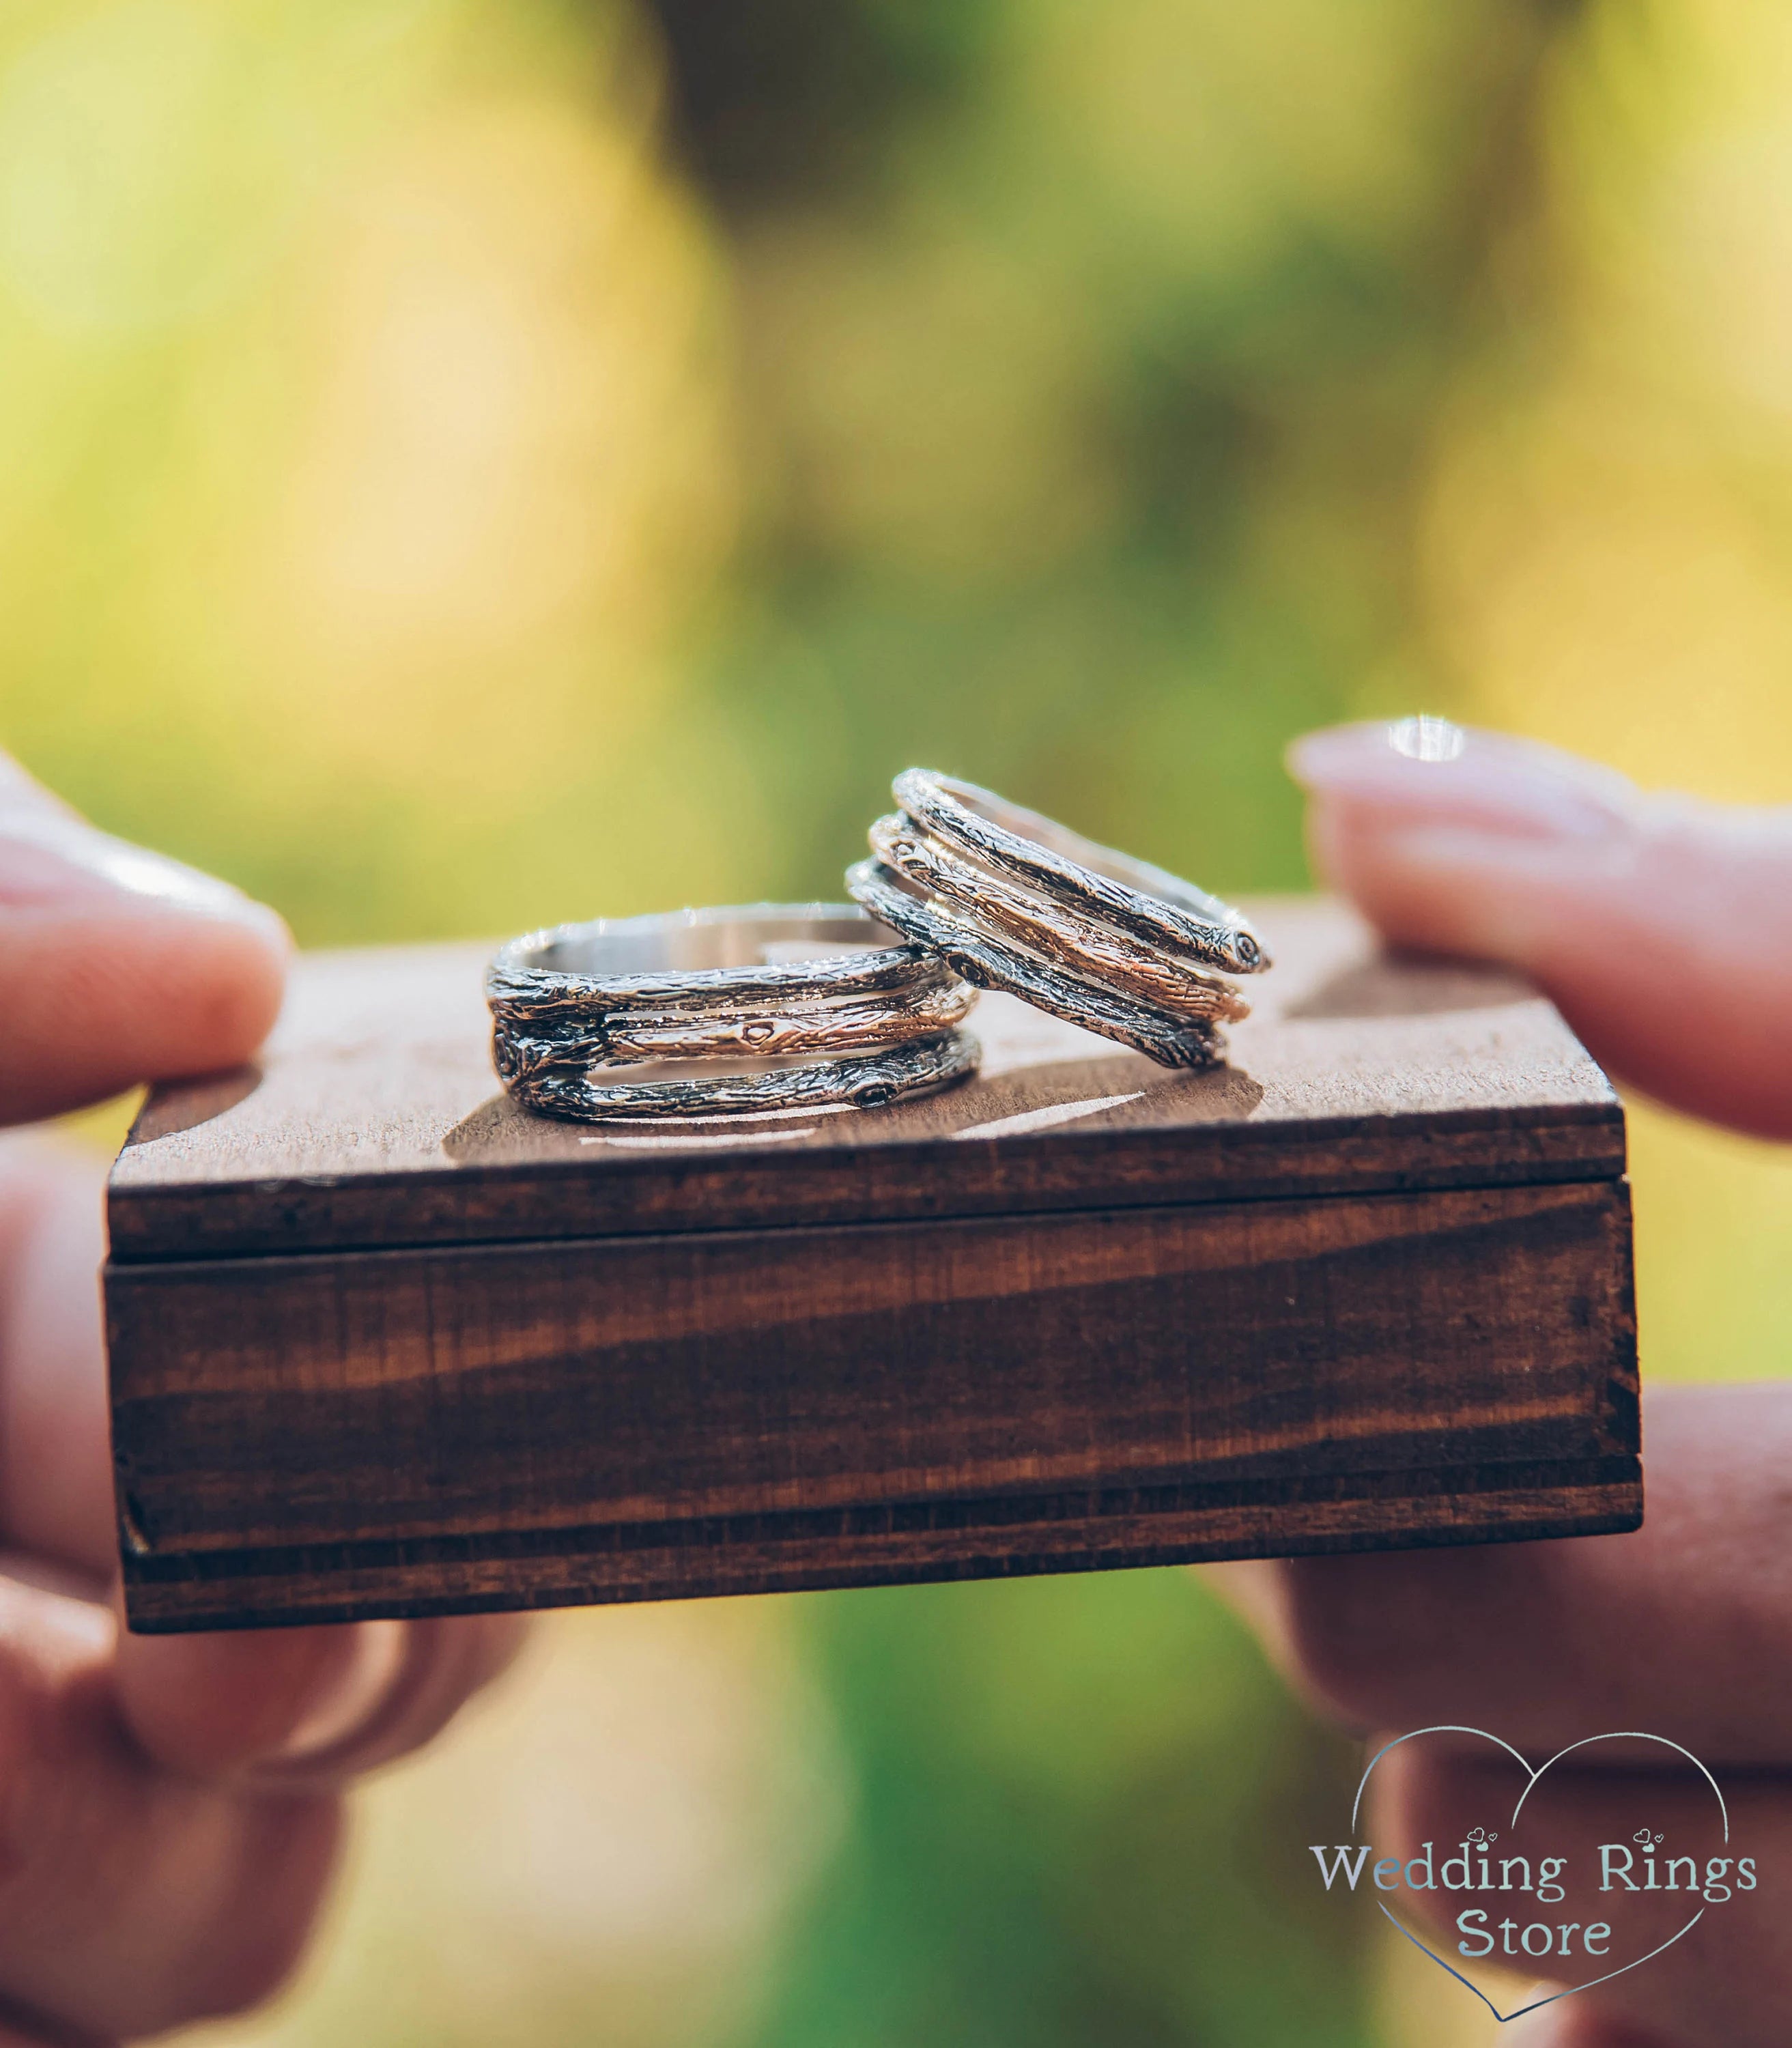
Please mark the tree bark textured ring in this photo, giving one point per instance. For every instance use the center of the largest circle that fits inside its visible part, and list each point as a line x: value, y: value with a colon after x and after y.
x: 763, y: 1006
x: 1018, y: 902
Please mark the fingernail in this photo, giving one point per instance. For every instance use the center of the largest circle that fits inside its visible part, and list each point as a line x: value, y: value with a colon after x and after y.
x: 48, y: 855
x: 352, y: 1691
x: 1424, y: 767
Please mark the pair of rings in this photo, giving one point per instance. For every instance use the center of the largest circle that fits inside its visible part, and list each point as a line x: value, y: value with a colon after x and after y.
x: 778, y: 1009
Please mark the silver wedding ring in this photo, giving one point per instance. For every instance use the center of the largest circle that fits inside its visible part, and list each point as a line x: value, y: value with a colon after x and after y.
x: 780, y: 1009
x: 1017, y: 902
x: 765, y: 1007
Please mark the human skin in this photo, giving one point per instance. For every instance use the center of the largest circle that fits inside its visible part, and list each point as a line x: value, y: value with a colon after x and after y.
x: 1662, y: 928
x: 170, y: 1807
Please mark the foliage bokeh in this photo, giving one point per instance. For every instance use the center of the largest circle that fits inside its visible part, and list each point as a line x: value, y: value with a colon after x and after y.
x: 474, y: 464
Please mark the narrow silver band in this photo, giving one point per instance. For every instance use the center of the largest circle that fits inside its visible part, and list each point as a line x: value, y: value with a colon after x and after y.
x: 871, y: 1080
x: 777, y: 1005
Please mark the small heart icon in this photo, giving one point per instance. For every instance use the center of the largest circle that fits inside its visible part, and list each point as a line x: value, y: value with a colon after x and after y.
x: 1532, y: 1777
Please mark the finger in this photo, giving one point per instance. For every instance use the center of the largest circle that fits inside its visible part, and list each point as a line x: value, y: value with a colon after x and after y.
x: 316, y: 1705
x: 1705, y: 1908
x: 55, y: 1478
x: 1574, y: 2026
x: 1684, y: 1628
x: 1661, y: 928
x: 1574, y: 2023
x: 19, y: 2029
x: 118, y: 965
x: 443, y: 1663
x: 131, y: 1900
x: 312, y: 1707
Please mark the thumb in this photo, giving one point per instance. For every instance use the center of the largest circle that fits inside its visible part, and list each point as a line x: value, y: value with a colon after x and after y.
x: 1661, y: 927
x: 118, y: 965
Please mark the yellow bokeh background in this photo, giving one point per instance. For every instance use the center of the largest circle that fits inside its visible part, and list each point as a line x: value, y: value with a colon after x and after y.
x: 469, y: 464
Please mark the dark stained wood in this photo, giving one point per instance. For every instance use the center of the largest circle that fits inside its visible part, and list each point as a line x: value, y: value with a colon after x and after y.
x: 381, y: 1345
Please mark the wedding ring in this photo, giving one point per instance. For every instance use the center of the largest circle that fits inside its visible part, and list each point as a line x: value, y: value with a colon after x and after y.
x: 1059, y: 931
x: 1019, y: 903
x: 763, y: 1007
x: 985, y: 959
x: 1159, y: 907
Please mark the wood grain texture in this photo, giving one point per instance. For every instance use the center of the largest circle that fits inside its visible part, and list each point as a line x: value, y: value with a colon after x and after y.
x: 382, y: 1345
x: 719, y: 1410
x: 375, y: 1119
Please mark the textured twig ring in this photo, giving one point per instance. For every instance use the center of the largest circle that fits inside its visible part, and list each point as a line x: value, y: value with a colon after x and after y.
x: 1017, y: 902
x: 768, y: 1007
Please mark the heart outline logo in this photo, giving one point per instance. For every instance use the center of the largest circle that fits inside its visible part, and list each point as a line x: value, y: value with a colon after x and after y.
x: 1532, y: 1777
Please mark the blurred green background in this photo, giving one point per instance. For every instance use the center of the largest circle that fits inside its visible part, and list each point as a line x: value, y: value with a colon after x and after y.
x: 469, y: 463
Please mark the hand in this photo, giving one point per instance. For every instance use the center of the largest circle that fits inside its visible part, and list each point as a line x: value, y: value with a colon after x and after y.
x: 1663, y: 930
x: 169, y: 1805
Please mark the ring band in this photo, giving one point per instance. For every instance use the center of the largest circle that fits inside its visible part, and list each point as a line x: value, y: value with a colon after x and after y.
x: 871, y: 1080
x: 981, y: 956
x: 1082, y: 946
x: 1018, y: 902
x: 780, y: 1006
x: 1158, y: 907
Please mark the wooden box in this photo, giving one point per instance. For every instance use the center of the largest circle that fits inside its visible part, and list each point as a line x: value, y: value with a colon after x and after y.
x: 382, y: 1344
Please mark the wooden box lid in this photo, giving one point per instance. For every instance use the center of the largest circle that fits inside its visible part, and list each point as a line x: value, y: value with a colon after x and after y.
x: 374, y: 1118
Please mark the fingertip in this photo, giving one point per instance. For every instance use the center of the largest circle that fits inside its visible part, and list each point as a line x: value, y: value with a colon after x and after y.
x: 1659, y: 926
x: 305, y: 1707
x: 431, y: 1669
x: 214, y: 1706
x: 1422, y: 768
x: 1314, y: 759
x: 118, y: 965
x: 106, y: 991
x: 1435, y: 887
x: 218, y: 978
